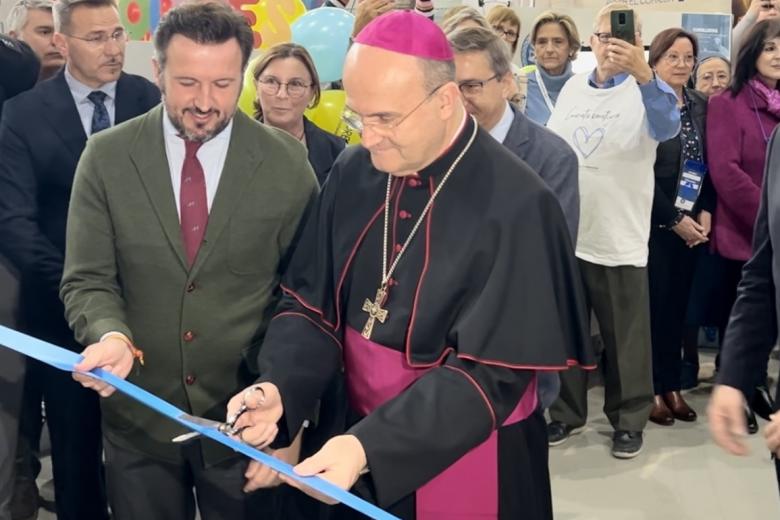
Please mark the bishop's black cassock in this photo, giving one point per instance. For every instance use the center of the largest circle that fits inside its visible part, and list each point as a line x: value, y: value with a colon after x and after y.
x: 487, y: 293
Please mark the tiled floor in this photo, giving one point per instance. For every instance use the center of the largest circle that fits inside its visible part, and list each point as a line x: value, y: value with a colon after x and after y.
x: 681, y: 474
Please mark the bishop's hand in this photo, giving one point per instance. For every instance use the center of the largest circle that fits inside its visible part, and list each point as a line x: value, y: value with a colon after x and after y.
x: 341, y: 461
x: 257, y: 424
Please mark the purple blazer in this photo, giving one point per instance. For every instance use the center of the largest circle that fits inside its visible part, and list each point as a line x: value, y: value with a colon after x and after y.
x: 736, y: 152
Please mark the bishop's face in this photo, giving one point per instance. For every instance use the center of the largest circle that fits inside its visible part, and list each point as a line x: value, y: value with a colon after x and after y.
x: 403, y: 120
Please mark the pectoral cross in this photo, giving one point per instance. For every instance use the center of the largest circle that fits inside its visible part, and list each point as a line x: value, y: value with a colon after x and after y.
x: 375, y: 312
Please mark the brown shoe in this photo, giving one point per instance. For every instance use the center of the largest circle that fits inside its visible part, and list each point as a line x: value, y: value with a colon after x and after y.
x: 661, y: 414
x: 679, y: 407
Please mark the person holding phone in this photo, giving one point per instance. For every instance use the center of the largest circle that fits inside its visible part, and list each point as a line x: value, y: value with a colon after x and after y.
x: 614, y: 118
x: 681, y: 218
x: 758, y: 11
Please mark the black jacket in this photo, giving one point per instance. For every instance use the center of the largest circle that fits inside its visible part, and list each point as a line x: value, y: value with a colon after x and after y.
x: 669, y: 163
x: 752, y: 329
x: 323, y: 147
x: 41, y: 140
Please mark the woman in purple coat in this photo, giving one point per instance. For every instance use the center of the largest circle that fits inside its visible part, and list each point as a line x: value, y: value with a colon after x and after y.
x: 739, y: 124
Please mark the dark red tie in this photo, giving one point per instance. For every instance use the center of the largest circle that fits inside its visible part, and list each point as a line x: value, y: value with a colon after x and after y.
x: 193, y: 203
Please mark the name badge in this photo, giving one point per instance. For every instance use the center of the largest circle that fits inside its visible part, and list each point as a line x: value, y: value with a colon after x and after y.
x: 690, y: 185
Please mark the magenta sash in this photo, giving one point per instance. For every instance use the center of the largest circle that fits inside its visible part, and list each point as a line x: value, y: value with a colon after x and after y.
x: 467, y: 490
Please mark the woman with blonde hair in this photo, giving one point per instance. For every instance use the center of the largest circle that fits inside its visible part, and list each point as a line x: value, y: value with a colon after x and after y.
x: 287, y: 84
x: 556, y: 42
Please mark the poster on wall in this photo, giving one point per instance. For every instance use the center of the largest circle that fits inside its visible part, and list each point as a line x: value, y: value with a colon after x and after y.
x: 713, y: 32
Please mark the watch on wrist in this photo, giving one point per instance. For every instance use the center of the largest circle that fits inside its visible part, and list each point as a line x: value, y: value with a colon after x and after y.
x: 676, y: 220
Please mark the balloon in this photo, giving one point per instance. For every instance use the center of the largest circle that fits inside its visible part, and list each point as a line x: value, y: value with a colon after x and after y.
x: 327, y: 115
x: 325, y: 33
x: 273, y: 19
x: 246, y: 101
x: 135, y: 15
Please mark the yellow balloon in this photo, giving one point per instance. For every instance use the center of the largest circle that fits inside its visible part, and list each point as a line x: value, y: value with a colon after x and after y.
x: 327, y: 115
x: 273, y: 19
x: 246, y: 101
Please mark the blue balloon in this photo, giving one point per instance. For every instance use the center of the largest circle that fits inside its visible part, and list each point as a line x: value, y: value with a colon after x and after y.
x: 325, y: 33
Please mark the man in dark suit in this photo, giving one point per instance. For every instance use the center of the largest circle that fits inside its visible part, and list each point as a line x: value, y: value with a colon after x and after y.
x: 483, y: 71
x: 180, y: 224
x: 752, y: 330
x: 42, y: 134
x: 481, y: 54
x: 20, y: 69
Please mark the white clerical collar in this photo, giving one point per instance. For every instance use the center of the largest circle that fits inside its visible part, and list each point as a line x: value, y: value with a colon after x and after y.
x: 500, y: 131
x: 80, y: 91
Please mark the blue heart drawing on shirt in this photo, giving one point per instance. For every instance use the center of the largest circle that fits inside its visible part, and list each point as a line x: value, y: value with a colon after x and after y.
x: 588, y: 142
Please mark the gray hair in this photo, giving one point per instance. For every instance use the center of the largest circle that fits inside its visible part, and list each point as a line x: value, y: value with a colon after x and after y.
x: 17, y: 17
x: 467, y: 14
x: 63, y: 10
x: 605, y: 11
x: 437, y: 73
x: 477, y: 39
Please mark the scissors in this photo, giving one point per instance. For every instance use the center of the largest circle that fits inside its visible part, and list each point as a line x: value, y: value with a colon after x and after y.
x: 228, y: 427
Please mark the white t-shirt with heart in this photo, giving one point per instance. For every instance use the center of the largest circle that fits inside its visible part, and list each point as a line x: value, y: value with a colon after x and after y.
x: 609, y: 130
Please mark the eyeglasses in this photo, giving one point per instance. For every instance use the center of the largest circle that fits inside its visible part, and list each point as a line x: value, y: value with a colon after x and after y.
x: 603, y: 37
x: 676, y: 59
x: 709, y: 77
x: 101, y: 39
x: 295, y: 88
x: 380, y: 124
x: 512, y: 35
x: 474, y: 87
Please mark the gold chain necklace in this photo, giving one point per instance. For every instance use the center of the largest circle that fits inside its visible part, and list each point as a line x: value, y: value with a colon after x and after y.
x: 374, y: 309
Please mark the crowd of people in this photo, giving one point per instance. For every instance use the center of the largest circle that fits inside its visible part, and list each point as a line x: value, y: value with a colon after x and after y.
x: 407, y: 317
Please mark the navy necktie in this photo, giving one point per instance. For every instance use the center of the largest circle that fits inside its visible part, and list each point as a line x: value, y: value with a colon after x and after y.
x: 100, y: 119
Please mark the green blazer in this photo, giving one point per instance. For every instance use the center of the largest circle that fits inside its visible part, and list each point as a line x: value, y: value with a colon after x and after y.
x: 126, y: 269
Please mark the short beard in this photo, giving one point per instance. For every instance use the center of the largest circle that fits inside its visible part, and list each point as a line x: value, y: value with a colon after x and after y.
x: 178, y: 124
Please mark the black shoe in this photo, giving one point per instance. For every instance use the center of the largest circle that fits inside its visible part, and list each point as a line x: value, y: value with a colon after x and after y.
x: 558, y: 432
x: 750, y: 418
x: 626, y: 445
x: 762, y: 403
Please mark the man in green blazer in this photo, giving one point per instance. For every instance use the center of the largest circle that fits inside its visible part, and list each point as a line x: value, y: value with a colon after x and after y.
x: 180, y: 224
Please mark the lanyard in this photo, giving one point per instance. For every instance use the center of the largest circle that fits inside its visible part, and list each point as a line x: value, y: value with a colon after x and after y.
x: 758, y: 118
x: 543, y: 90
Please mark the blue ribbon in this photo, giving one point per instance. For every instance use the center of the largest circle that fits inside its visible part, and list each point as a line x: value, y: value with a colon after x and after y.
x: 65, y: 360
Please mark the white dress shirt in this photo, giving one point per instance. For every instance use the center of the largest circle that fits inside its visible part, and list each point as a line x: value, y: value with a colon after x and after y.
x: 500, y: 131
x: 86, y: 108
x: 211, y: 154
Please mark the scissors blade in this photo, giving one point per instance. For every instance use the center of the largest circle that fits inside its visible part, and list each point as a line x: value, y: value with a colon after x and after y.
x: 200, y: 421
x: 186, y: 437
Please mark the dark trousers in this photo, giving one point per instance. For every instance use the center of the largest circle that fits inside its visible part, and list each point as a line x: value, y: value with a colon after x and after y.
x: 12, y: 367
x: 28, y: 464
x: 144, y: 488
x: 670, y: 268
x: 732, y: 274
x: 618, y: 296
x: 73, y: 417
x: 11, y: 385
